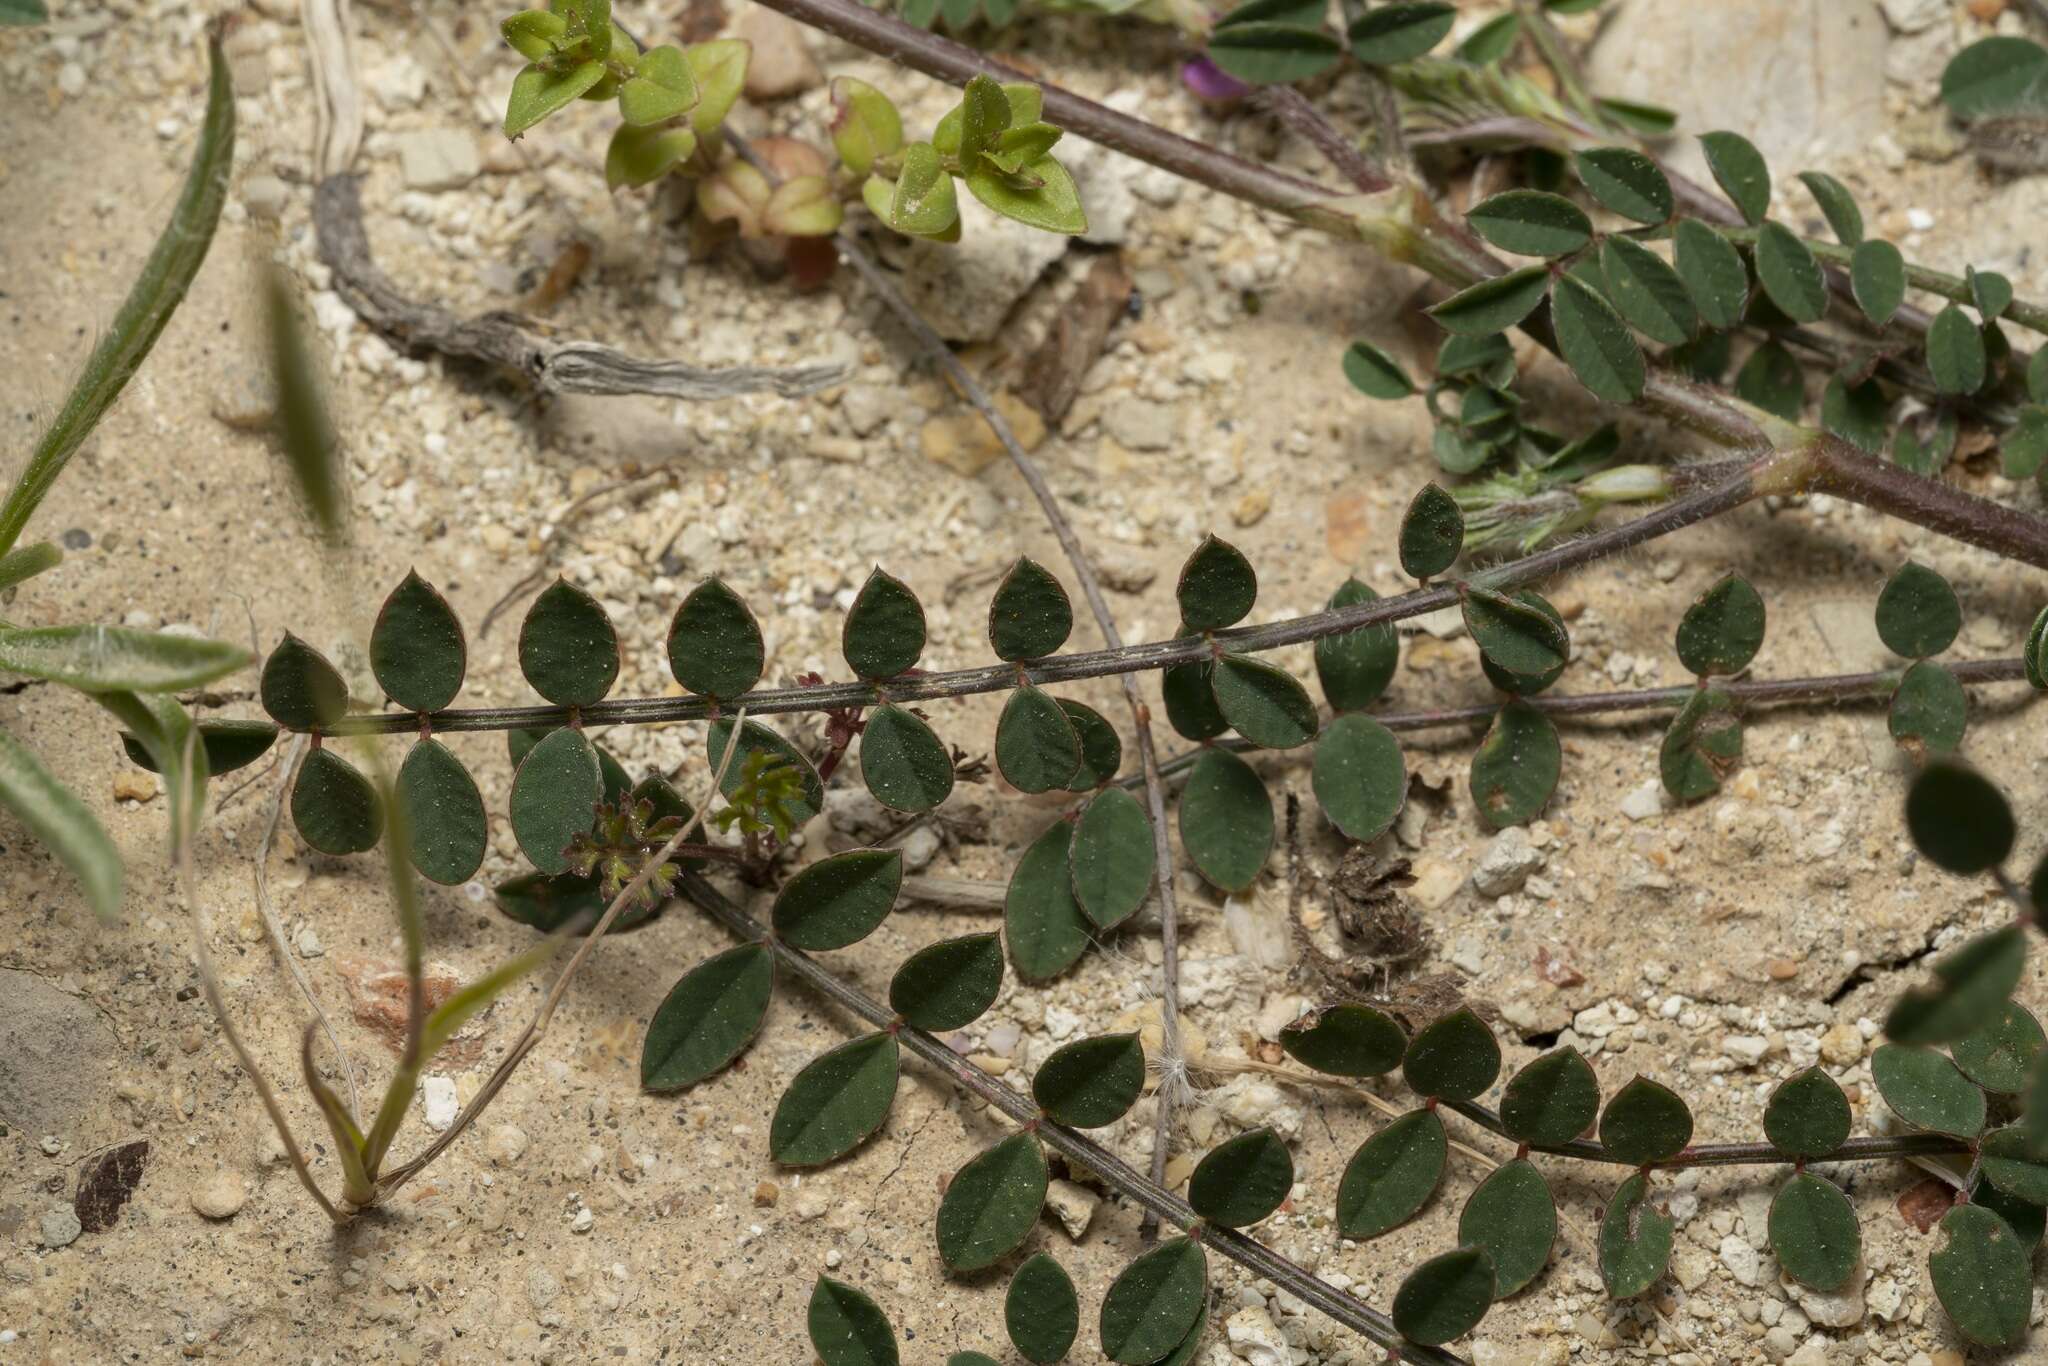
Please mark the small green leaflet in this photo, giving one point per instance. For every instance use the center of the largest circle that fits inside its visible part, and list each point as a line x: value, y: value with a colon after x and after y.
x: 1713, y: 272
x: 884, y: 632
x: 1037, y: 747
x: 1877, y: 277
x: 1955, y: 352
x: 1112, y: 857
x: 991, y: 1204
x: 1772, y: 380
x: 1360, y: 778
x: 708, y: 1018
x: 838, y: 900
x: 1392, y: 1175
x: 714, y: 643
x: 1512, y: 1215
x: 1982, y: 1276
x: 839, y: 1100
x: 1596, y: 343
x: 1790, y: 275
x: 1702, y: 746
x: 1925, y: 1090
x: 567, y: 647
x: 1740, y: 171
x: 1454, y: 1058
x: 1645, y: 1123
x: 334, y: 807
x: 1226, y: 820
x: 1626, y: 182
x: 1807, y: 1115
x: 1432, y: 532
x: 1493, y: 305
x: 1635, y: 1240
x: 1355, y: 666
x: 1446, y: 1296
x: 1517, y: 637
x: 1154, y: 1303
x: 847, y: 1328
x: 1091, y: 1082
x: 299, y: 689
x: 1346, y: 1040
x: 1242, y: 1180
x: 1969, y: 991
x: 1998, y: 1055
x: 1030, y: 616
x: 445, y: 812
x: 1516, y: 767
x: 555, y: 793
x: 1994, y: 76
x: 1531, y: 223
x: 950, y: 984
x: 1813, y: 1232
x: 1374, y: 373
x: 1929, y: 710
x: 1723, y: 629
x: 1837, y: 205
x: 1958, y: 819
x: 1265, y: 53
x: 1647, y: 292
x: 1041, y: 1311
x: 1217, y: 586
x: 417, y: 651
x: 1551, y: 1101
x: 903, y: 762
x: 1042, y: 921
x: 1263, y: 702
x: 1917, y: 612
x: 1400, y: 32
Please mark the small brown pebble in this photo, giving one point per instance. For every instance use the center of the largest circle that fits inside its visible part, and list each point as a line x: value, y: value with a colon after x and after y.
x: 1782, y: 969
x: 766, y: 1194
x: 135, y: 785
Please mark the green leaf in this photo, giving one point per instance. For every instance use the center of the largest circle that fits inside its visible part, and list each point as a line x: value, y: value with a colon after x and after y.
x: 1346, y: 1040
x: 1997, y: 1054
x: 884, y: 632
x: 334, y: 807
x: 714, y: 643
x: 1928, y: 710
x: 1723, y: 629
x: 1955, y: 352
x: 1813, y: 1232
x: 1524, y: 685
x: 1531, y: 223
x: 1517, y: 637
x: 1190, y: 701
x: 1493, y: 305
x: 1982, y: 1276
x: 1491, y: 41
x: 1917, y: 612
x: 23, y: 13
x: 1155, y: 1303
x: 1626, y: 182
x: 1091, y: 1082
x: 1263, y: 702
x: 1713, y: 272
x: 1226, y: 820
x: 1772, y: 380
x: 1112, y: 858
x: 1432, y: 532
x: 538, y: 91
x: 1355, y: 666
x: 1648, y: 120
x: 1242, y: 1180
x: 549, y: 903
x: 1740, y: 171
x: 708, y: 1018
x: 2024, y: 450
x: 1487, y: 359
x: 445, y: 812
x: 1392, y: 1175
x: 1455, y: 1058
x: 1994, y: 76
x: 1374, y: 373
x: 1927, y: 1091
x: 904, y: 764
x: 1102, y: 753
x: 1858, y: 415
x: 1790, y: 274
x: 1512, y: 1216
x: 1040, y: 195
x: 662, y: 87
x: 1041, y: 1311
x: 840, y: 1099
x: 948, y: 985
x: 865, y: 124
x: 1702, y: 747
x: 846, y: 1327
x: 567, y: 647
x: 228, y: 745
x: 1552, y: 1100
x: 158, y: 290
x: 2014, y: 1163
x: 991, y: 1204
x: 95, y: 659
x: 2037, y: 376
x: 1030, y: 616
x: 1635, y: 1240
x: 1037, y: 747
x: 641, y: 156
x: 838, y: 900
x: 1644, y: 1123
x: 417, y: 650
x: 554, y: 797
x: 1217, y: 587
x: 1837, y: 205
x: 1807, y: 1115
x: 1595, y: 342
x: 55, y: 816
x: 1969, y: 991
x: 1958, y: 819
x: 1399, y: 32
x: 1041, y: 919
x: 1990, y: 291
x: 1647, y: 292
x: 756, y: 738
x: 921, y: 202
x: 1445, y: 1297
x: 2036, y: 650
x: 720, y: 67
x: 1270, y: 53
x: 1877, y: 277
x: 1516, y: 767
x: 2026, y: 1221
x: 1360, y: 778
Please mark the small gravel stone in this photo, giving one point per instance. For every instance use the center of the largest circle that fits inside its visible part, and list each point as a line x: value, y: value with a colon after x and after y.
x: 437, y: 1098
x: 505, y: 1144
x: 220, y: 1196
x: 438, y: 159
x: 1644, y: 802
x: 1506, y: 864
x: 60, y: 1228
x: 1074, y: 1206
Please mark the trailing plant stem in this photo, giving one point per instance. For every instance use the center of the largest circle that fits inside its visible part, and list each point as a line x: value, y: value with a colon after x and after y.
x: 1732, y: 1154
x: 1075, y: 1146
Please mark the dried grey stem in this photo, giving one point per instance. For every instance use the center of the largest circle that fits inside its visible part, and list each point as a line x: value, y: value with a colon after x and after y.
x: 500, y: 338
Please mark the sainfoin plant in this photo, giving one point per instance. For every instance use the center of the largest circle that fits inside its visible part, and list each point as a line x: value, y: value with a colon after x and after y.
x: 1649, y: 288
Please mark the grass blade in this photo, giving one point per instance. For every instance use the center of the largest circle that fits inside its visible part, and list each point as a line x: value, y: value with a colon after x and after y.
x: 55, y: 815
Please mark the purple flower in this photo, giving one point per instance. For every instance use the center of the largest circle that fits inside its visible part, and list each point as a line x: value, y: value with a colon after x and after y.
x: 1211, y: 82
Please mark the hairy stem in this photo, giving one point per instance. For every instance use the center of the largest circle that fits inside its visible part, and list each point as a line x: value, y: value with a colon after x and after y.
x: 1076, y: 1147
x: 1732, y: 1154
